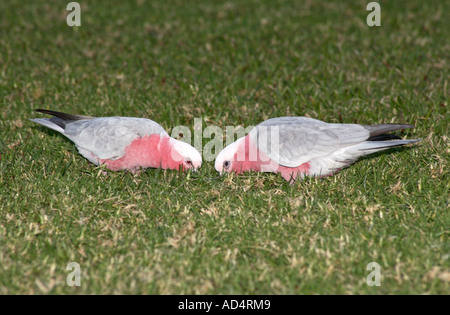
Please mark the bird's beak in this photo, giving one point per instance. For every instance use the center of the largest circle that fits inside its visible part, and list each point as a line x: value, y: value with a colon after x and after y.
x: 196, y: 168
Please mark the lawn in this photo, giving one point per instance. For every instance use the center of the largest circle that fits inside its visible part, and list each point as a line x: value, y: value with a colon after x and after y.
x: 227, y: 63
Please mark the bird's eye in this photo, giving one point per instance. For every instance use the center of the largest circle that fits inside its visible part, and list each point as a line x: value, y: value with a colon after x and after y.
x: 226, y: 164
x: 189, y: 162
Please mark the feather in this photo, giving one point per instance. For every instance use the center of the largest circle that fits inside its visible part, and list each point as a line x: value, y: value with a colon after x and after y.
x: 376, y: 130
x: 63, y: 116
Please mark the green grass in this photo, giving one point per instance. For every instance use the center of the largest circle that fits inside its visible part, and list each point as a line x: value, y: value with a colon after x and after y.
x: 230, y: 63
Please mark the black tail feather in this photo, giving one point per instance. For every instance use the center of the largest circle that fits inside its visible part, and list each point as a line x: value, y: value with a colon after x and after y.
x: 59, y: 122
x: 63, y: 116
x: 376, y: 130
x: 384, y: 137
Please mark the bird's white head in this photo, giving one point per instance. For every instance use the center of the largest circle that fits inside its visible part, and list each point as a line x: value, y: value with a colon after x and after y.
x: 226, y: 159
x: 186, y: 155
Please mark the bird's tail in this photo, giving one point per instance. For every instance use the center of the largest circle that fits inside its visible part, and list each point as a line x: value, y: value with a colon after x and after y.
x: 57, y: 123
x: 380, y: 139
x: 63, y: 116
x: 373, y: 146
x: 51, y: 123
x: 380, y: 130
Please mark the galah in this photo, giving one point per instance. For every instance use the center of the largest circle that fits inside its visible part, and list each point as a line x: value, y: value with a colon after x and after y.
x: 300, y: 146
x: 123, y: 143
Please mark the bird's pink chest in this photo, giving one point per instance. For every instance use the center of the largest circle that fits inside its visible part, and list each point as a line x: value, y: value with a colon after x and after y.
x: 292, y: 173
x: 250, y: 158
x: 143, y: 152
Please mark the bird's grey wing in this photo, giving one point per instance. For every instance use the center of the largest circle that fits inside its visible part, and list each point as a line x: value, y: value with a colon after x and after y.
x: 108, y: 137
x: 292, y: 141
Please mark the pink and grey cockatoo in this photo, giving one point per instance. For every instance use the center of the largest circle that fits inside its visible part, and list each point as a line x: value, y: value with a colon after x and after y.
x: 300, y: 146
x: 123, y: 143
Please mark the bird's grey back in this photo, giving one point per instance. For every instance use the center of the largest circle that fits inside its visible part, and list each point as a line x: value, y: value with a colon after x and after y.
x: 108, y: 137
x: 291, y: 141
